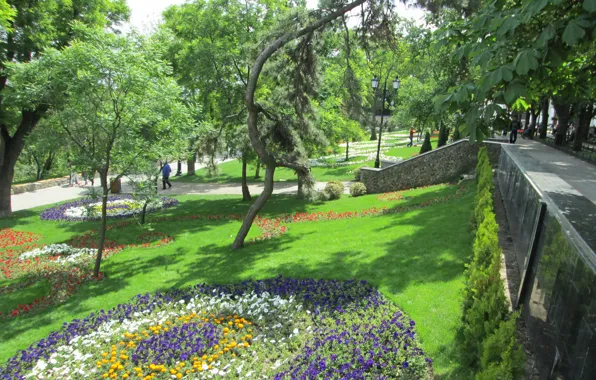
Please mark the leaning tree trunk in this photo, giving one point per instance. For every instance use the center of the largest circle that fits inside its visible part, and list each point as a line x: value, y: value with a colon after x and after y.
x: 245, y: 191
x: 49, y: 162
x: 564, y: 114
x: 6, y: 176
x: 544, y: 122
x: 103, y: 175
x: 255, y: 207
x: 144, y: 212
x: 583, y: 125
x: 254, y: 109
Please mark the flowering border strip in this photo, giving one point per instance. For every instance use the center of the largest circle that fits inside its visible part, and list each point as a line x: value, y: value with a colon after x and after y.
x: 58, y: 212
x: 13, y: 238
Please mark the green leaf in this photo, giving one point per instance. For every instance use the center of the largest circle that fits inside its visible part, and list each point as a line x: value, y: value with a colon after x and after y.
x: 507, y: 72
x: 514, y: 91
x: 573, y: 33
x: 492, y: 109
x: 461, y: 95
x: 525, y: 61
x: 508, y: 26
x: 547, y: 34
x: 482, y: 58
x: 590, y: 5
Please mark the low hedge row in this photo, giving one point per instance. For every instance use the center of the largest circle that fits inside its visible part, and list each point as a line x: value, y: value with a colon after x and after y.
x: 488, y: 335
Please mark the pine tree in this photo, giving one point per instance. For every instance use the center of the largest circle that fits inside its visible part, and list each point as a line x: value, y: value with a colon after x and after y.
x: 426, y: 146
x: 443, y: 136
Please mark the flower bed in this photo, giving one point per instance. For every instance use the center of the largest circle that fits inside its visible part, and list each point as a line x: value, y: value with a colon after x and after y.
x: 12, y: 238
x: 277, y: 329
x: 119, y: 206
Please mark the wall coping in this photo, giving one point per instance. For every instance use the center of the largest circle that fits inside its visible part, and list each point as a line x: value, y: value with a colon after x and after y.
x: 573, y: 236
x: 427, y: 153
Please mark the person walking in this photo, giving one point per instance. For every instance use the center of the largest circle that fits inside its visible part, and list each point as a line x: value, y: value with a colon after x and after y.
x: 513, y: 134
x: 411, y: 137
x: 165, y: 173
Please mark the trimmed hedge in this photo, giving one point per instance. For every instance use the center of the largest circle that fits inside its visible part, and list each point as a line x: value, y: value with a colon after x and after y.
x: 334, y: 190
x: 487, y: 336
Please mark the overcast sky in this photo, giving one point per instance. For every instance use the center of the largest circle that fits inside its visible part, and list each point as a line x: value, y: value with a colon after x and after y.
x: 145, y: 14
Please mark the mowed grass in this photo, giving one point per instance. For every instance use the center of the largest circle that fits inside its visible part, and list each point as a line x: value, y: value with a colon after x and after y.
x: 231, y: 172
x: 406, y: 152
x: 415, y: 258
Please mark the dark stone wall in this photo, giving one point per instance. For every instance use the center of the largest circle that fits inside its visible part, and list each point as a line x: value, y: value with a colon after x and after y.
x: 559, y: 299
x: 437, y: 166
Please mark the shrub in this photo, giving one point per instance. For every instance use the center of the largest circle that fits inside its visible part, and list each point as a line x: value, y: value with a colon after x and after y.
x: 443, y: 135
x: 334, y: 190
x: 456, y: 134
x: 357, y: 189
x: 487, y: 310
x: 502, y: 356
x: 426, y: 146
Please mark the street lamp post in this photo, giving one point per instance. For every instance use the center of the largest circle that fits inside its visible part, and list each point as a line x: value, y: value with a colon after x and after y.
x: 375, y: 86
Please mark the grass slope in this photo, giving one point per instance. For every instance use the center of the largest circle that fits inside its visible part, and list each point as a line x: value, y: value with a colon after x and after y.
x: 416, y: 259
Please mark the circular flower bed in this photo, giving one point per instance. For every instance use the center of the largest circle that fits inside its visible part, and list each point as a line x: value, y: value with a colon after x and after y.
x: 277, y: 329
x: 119, y: 206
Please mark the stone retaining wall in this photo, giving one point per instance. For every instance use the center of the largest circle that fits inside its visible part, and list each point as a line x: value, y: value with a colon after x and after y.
x: 33, y: 186
x: 437, y: 166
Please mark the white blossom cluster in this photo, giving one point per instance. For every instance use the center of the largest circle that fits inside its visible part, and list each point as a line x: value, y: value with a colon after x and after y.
x: 274, y: 314
x: 65, y: 251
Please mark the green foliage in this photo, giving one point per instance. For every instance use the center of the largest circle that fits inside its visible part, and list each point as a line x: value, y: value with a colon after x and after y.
x: 334, y: 190
x: 357, y: 189
x: 456, y: 134
x: 426, y: 145
x: 484, y: 334
x: 443, y: 135
x: 502, y: 356
x: 357, y: 172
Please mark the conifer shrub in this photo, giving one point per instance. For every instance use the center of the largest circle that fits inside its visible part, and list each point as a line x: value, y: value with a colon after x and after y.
x: 443, y: 135
x: 502, y: 357
x: 426, y: 145
x: 357, y: 189
x: 456, y: 134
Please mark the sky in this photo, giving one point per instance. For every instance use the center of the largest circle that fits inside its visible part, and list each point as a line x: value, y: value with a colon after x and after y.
x: 145, y: 14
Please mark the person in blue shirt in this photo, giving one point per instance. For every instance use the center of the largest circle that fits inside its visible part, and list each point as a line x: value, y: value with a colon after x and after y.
x: 165, y: 173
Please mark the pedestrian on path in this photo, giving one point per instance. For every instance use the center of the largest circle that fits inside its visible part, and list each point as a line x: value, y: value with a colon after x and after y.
x: 165, y: 173
x: 513, y: 134
x: 411, y: 137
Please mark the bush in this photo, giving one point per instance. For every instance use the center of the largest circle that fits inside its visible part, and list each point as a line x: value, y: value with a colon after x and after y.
x: 456, y: 134
x: 426, y: 145
x: 443, y: 135
x: 334, y: 190
x: 357, y: 189
x: 502, y: 355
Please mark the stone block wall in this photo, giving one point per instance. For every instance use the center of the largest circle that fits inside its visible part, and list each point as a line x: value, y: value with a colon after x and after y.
x: 437, y: 166
x: 43, y: 184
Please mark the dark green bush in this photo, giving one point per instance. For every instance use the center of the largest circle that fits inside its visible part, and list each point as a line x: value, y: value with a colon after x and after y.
x: 334, y: 190
x: 502, y: 356
x: 443, y: 135
x: 357, y: 189
x: 426, y: 146
x: 456, y: 134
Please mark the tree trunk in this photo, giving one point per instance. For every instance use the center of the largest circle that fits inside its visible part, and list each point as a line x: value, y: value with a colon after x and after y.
x: 144, y: 212
x: 258, y: 170
x: 544, y: 122
x: 583, y: 125
x: 103, y: 176
x: 47, y: 166
x: 190, y: 167
x: 39, y: 168
x: 373, y: 131
x: 179, y: 171
x: 11, y: 148
x: 245, y: 191
x: 564, y: 114
x: 255, y: 208
x: 347, y: 149
x: 533, y: 121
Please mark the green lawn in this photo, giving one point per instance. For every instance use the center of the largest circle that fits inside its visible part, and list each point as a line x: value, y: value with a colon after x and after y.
x: 409, y: 152
x: 231, y: 172
x: 415, y: 258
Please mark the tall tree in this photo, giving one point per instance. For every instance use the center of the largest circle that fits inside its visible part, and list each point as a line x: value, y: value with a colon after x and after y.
x: 297, y: 35
x: 121, y: 107
x: 36, y: 26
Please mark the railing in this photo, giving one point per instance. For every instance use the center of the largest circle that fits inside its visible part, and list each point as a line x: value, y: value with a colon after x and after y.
x: 587, y: 154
